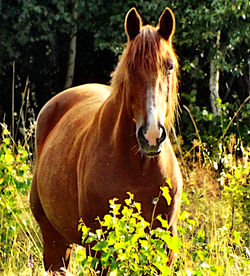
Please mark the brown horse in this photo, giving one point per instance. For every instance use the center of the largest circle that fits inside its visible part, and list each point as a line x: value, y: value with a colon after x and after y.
x: 96, y: 142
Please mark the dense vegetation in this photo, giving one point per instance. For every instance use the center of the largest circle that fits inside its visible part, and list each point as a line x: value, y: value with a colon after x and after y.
x: 212, y: 145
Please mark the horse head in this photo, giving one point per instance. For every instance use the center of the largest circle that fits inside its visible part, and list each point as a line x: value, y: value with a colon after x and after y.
x: 150, y: 67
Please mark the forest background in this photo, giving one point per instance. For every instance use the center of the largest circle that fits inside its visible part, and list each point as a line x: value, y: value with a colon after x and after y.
x: 58, y: 44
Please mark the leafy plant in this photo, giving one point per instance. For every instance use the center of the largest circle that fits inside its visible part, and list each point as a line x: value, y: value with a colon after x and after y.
x: 214, y: 224
x: 15, y: 180
x: 126, y: 243
x: 213, y: 129
x: 235, y: 179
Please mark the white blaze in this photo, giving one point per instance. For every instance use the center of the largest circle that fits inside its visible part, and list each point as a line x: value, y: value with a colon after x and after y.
x: 153, y: 131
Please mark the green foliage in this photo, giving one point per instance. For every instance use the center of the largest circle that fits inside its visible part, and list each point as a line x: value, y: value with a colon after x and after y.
x: 32, y: 22
x: 235, y: 179
x: 127, y: 244
x: 204, y: 19
x: 234, y: 119
x: 15, y: 180
x: 214, y: 226
x: 35, y: 35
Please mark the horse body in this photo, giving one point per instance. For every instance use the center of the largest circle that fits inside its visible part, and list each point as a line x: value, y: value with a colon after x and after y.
x: 61, y: 127
x: 93, y: 144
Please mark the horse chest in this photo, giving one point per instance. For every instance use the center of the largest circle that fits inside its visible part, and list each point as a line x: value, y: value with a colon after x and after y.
x: 98, y: 186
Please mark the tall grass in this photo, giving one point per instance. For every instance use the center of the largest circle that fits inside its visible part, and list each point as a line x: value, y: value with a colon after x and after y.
x: 214, y: 224
x: 19, y: 235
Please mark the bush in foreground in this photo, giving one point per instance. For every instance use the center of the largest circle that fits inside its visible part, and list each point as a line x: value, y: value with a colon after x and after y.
x: 127, y: 244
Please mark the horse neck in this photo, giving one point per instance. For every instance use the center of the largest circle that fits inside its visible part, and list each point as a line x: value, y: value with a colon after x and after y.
x: 122, y: 125
x: 114, y: 129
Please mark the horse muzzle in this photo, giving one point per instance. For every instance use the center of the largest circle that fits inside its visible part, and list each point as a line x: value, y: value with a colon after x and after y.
x: 150, y: 149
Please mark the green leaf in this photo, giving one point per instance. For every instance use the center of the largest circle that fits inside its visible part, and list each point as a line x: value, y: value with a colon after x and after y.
x: 138, y: 207
x: 168, y: 181
x: 107, y: 221
x: 185, y: 198
x: 100, y: 246
x: 166, y: 195
x: 164, y: 222
x: 174, y: 243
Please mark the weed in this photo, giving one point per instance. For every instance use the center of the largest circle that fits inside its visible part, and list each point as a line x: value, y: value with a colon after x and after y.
x: 19, y: 239
x: 127, y: 243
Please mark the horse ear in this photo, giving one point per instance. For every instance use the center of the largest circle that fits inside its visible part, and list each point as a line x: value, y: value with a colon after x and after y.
x: 133, y: 23
x: 167, y: 24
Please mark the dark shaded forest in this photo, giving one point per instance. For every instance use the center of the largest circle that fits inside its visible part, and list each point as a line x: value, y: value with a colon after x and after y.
x: 47, y: 46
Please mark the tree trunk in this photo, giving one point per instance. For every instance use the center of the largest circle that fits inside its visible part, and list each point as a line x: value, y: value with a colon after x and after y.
x: 72, y: 49
x: 214, y: 81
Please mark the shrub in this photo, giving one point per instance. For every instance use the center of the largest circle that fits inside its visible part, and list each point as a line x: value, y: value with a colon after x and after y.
x: 214, y: 225
x: 234, y: 180
x: 234, y: 118
x: 126, y: 244
x: 16, y: 230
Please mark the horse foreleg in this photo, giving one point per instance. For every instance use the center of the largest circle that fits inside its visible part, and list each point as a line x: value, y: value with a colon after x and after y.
x: 56, y: 250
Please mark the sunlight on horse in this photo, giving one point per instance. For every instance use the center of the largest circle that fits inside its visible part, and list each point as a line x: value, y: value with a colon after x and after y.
x: 96, y: 142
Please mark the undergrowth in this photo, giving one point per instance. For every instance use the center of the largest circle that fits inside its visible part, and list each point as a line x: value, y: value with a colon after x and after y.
x: 127, y: 244
x: 214, y: 224
x: 20, y: 242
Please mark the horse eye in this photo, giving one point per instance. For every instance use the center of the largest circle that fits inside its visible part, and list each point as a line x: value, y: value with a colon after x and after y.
x: 171, y: 68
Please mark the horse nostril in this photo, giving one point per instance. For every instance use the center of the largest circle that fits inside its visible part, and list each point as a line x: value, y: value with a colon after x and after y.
x: 141, y: 136
x: 163, y: 135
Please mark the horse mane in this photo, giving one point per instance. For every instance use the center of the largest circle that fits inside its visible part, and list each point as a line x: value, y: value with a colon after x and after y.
x: 149, y: 51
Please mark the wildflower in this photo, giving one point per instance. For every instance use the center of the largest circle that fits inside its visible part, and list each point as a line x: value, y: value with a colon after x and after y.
x: 204, y: 265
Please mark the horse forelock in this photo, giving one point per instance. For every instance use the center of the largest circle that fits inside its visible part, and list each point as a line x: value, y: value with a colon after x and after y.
x: 148, y: 51
x: 144, y: 51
